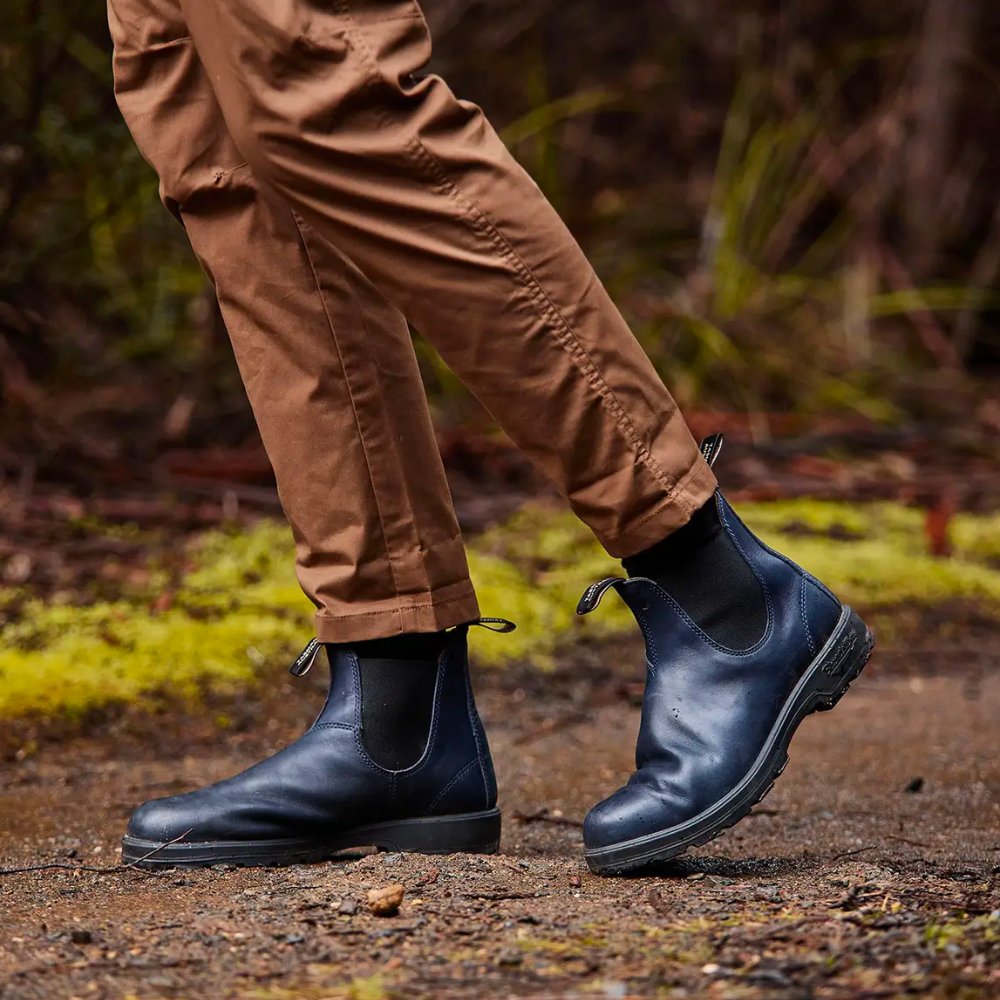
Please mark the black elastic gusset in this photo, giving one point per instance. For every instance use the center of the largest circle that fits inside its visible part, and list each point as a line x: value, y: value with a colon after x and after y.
x: 397, y: 704
x: 701, y: 568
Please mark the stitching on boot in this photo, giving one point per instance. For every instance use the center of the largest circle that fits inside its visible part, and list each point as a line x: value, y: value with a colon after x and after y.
x: 451, y: 784
x: 804, y: 615
x: 480, y: 749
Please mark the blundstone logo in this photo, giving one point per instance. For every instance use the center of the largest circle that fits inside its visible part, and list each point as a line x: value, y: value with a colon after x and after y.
x: 305, y: 659
x: 835, y: 666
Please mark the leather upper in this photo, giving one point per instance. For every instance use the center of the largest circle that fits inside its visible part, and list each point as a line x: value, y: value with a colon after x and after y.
x: 708, y: 710
x: 325, y: 783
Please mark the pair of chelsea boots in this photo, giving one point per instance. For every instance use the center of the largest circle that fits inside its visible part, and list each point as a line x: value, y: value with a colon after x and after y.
x: 714, y: 734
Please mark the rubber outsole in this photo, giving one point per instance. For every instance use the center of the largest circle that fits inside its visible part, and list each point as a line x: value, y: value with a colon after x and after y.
x: 823, y: 684
x: 471, y: 833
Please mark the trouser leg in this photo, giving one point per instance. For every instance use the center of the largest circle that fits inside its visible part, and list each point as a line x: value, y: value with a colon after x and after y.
x: 415, y: 187
x: 327, y: 361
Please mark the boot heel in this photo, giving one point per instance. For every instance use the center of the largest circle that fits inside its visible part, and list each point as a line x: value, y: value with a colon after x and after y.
x: 470, y: 833
x: 840, y: 662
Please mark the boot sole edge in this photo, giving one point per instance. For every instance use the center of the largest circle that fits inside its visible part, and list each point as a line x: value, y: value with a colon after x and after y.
x: 467, y: 833
x: 824, y: 682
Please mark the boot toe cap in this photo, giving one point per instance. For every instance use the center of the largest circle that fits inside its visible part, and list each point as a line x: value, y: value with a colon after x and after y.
x: 162, y: 820
x: 630, y: 813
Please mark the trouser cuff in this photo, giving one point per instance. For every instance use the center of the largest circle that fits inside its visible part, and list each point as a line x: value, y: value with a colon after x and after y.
x: 691, y: 492
x: 446, y: 608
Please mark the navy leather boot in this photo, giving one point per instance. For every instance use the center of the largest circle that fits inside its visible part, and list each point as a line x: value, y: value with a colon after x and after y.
x: 716, y: 722
x: 325, y: 793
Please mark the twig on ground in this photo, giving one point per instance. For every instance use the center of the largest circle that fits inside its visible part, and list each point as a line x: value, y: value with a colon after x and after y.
x: 94, y: 869
x: 912, y: 843
x: 59, y: 865
x: 494, y: 897
x: 542, y: 816
x: 156, y: 850
x: 850, y: 854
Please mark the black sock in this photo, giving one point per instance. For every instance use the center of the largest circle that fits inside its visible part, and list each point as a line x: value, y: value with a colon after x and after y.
x: 701, y: 568
x: 398, y: 678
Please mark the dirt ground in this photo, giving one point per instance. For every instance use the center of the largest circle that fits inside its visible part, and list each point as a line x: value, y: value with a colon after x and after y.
x: 872, y: 869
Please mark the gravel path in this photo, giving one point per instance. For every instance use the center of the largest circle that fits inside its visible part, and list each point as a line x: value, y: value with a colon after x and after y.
x: 871, y: 869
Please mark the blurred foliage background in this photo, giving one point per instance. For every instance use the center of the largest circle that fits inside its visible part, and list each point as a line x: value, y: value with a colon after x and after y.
x: 795, y: 203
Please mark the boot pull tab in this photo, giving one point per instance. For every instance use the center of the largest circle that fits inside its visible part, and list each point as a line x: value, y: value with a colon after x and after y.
x: 305, y: 660
x: 711, y: 448
x: 595, y: 592
x: 500, y: 625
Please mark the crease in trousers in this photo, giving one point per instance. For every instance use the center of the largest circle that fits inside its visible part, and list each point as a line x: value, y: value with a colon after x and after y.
x: 332, y: 196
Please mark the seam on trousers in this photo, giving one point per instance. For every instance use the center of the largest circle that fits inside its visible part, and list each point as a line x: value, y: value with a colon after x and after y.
x: 482, y: 224
x: 539, y: 297
x: 410, y: 516
x: 677, y: 493
x: 427, y: 606
x: 350, y: 392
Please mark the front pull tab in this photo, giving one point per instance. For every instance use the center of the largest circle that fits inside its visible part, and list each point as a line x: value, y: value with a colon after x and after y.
x: 593, y: 595
x: 500, y: 625
x: 711, y: 448
x: 305, y: 660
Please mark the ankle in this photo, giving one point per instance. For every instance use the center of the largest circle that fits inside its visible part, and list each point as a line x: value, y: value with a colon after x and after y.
x: 703, y: 570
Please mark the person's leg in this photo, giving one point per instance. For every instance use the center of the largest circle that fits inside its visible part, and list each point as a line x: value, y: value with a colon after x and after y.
x: 398, y: 756
x: 328, y: 363
x: 417, y: 189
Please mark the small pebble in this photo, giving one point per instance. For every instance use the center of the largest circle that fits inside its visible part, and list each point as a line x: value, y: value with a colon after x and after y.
x: 387, y: 901
x: 80, y: 936
x: 348, y: 907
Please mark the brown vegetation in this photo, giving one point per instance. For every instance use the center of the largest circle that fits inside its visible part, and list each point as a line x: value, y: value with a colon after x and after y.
x: 796, y: 205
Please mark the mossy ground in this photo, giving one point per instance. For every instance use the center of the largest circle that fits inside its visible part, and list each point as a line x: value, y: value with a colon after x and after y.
x: 236, y: 611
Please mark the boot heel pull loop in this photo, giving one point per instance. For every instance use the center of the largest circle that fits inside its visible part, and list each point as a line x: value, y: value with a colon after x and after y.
x: 500, y: 625
x: 593, y: 595
x: 711, y: 448
x: 304, y: 661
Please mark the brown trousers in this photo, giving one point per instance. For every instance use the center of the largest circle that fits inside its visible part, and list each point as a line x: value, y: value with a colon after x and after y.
x: 331, y: 197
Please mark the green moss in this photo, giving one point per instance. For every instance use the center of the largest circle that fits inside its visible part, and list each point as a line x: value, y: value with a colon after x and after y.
x: 239, y: 611
x: 873, y: 555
